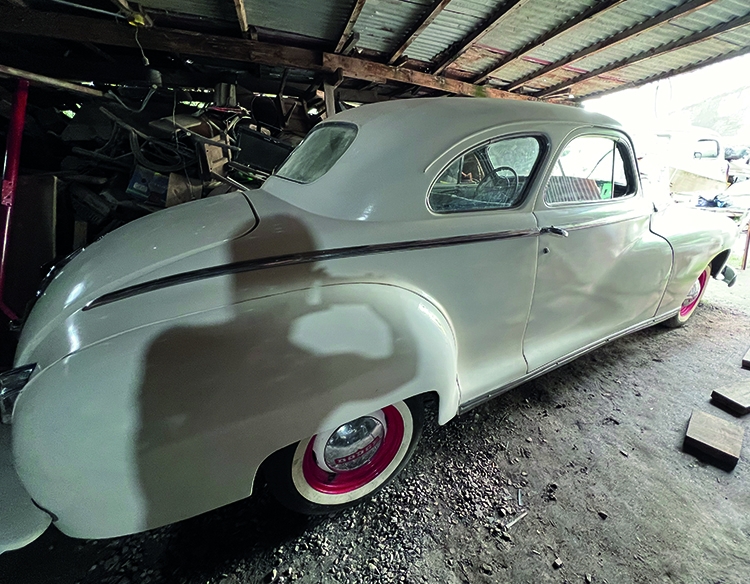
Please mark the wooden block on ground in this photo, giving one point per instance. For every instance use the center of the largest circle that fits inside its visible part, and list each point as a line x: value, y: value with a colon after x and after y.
x: 735, y: 398
x: 746, y: 360
x: 715, y: 438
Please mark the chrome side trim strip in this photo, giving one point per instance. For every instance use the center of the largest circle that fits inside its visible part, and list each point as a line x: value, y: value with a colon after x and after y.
x: 301, y: 258
x: 599, y: 222
x: 463, y: 408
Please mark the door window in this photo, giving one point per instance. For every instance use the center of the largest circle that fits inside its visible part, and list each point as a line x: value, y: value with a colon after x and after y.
x: 591, y: 168
x: 492, y: 176
x: 706, y: 148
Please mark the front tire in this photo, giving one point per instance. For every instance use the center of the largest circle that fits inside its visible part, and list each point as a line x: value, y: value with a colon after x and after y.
x: 339, y: 469
x: 692, y: 300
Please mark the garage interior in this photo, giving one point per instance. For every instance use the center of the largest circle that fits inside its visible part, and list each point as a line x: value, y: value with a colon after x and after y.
x: 126, y: 108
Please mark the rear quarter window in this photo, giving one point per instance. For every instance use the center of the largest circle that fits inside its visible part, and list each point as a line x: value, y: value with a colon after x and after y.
x: 318, y: 152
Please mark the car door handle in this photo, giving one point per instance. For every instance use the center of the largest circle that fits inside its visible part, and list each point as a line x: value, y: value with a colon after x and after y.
x: 554, y: 231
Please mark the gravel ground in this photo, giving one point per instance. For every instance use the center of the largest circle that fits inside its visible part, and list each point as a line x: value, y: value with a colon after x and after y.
x: 578, y: 476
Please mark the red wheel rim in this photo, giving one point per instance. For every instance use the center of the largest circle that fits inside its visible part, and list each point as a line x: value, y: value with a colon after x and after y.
x: 351, y: 480
x: 688, y: 308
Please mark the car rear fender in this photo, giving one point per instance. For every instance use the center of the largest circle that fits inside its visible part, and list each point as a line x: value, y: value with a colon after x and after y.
x: 170, y: 420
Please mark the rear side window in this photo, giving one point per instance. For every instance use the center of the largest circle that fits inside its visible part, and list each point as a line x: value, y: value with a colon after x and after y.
x: 591, y: 168
x: 492, y: 176
x: 318, y: 152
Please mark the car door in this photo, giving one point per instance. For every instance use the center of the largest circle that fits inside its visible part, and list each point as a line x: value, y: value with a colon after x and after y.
x: 600, y: 270
x: 485, y: 285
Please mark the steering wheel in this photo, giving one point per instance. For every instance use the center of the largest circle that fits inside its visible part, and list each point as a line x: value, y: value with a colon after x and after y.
x: 493, y: 179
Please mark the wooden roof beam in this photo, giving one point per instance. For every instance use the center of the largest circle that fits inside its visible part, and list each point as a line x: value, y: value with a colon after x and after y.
x: 453, y: 53
x: 682, y: 10
x: 356, y: 11
x: 682, y: 43
x: 595, y: 9
x: 239, y: 7
x: 431, y: 15
x: 379, y: 73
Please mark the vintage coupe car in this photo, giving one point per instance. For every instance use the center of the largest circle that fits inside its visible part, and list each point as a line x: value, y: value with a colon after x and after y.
x: 451, y: 248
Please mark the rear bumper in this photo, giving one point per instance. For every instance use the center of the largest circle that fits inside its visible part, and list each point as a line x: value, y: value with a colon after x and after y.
x: 21, y: 522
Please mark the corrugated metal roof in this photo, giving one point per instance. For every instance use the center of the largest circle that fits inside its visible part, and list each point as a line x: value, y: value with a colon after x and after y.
x: 211, y: 9
x: 676, y: 29
x: 324, y: 20
x: 597, y: 29
x: 520, y: 28
x: 458, y: 20
x: 384, y: 24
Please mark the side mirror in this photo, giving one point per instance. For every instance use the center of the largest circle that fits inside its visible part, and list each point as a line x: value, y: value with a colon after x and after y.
x: 697, y: 155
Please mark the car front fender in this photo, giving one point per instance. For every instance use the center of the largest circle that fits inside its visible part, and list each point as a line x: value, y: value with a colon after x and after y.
x: 173, y: 419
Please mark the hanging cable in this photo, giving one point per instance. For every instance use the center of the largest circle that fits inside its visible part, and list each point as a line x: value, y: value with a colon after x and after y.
x: 146, y: 99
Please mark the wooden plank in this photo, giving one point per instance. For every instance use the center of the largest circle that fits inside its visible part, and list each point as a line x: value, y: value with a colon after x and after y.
x: 735, y: 398
x: 356, y: 11
x: 621, y: 37
x: 50, y: 81
x: 716, y: 438
x: 595, y: 9
x: 431, y: 15
x: 492, y: 21
x: 379, y: 73
x: 239, y: 7
x: 676, y: 45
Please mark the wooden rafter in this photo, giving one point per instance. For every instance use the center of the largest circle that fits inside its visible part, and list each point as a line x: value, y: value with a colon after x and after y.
x: 356, y: 11
x: 85, y: 29
x: 487, y: 26
x: 682, y: 10
x: 671, y: 73
x: 137, y: 17
x: 595, y: 9
x: 239, y: 7
x: 431, y: 15
x: 682, y: 43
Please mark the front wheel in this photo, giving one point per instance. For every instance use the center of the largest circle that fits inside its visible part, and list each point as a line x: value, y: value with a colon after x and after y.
x: 691, y: 301
x: 338, y: 469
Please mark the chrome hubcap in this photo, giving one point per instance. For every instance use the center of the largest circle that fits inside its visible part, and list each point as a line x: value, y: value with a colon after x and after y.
x: 351, y: 445
x: 693, y: 294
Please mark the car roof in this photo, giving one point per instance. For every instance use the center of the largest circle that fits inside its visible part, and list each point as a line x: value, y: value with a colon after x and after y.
x: 459, y: 115
x: 402, y: 145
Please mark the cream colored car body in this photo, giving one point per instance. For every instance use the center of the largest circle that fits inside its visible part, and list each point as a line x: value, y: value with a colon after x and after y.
x: 180, y: 351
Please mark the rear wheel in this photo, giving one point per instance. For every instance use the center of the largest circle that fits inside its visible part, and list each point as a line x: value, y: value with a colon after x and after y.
x: 338, y: 469
x: 692, y: 300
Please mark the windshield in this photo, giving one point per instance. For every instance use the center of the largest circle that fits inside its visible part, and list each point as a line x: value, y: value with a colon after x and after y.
x: 318, y: 152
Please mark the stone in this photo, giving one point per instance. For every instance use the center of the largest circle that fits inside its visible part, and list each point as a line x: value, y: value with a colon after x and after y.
x: 746, y: 360
x: 271, y: 576
x: 713, y: 437
x: 486, y: 568
x: 557, y: 564
x: 735, y: 398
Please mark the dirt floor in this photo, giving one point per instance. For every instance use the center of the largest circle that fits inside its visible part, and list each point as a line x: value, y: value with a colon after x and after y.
x: 586, y: 462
